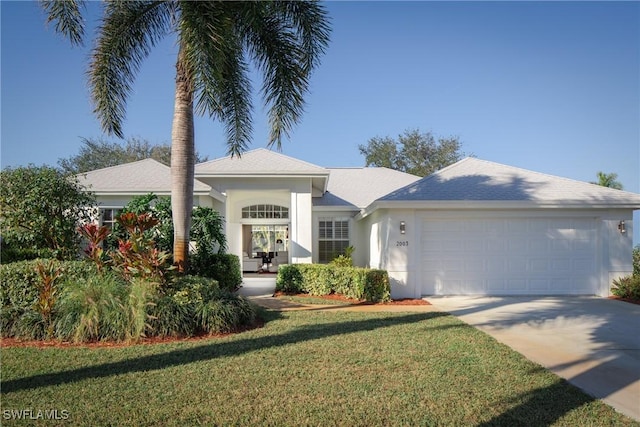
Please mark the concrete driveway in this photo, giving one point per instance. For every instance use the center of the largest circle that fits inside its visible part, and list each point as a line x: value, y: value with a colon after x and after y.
x: 592, y: 342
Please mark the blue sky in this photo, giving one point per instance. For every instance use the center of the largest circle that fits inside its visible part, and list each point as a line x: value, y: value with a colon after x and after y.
x: 548, y: 86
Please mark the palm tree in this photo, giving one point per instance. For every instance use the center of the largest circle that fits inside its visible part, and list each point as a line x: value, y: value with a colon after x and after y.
x: 608, y: 180
x: 216, y: 41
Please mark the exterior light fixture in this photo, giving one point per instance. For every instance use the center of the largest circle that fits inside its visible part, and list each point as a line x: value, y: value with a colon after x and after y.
x: 403, y: 227
x: 621, y: 227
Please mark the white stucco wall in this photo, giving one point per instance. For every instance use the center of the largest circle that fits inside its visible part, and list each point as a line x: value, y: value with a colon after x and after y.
x: 617, y: 247
x: 393, y: 251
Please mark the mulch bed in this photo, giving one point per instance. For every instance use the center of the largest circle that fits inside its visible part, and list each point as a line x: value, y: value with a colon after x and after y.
x: 14, y: 342
x: 338, y: 297
x: 632, y: 301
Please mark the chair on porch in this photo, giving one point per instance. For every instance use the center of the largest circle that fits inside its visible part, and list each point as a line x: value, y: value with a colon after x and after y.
x: 250, y: 264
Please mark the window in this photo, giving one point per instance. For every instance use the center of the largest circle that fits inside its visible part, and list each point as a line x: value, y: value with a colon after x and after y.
x: 333, y: 238
x: 265, y: 211
x: 108, y: 216
x: 269, y: 238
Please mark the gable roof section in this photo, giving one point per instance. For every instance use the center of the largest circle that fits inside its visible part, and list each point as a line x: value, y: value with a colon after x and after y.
x: 141, y: 177
x: 263, y: 163
x: 357, y: 188
x: 473, y: 182
x: 258, y: 162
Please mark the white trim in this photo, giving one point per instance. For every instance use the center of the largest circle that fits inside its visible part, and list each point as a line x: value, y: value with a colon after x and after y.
x: 489, y: 205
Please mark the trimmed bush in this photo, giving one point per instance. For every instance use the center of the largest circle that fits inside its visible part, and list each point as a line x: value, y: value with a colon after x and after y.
x: 317, y: 278
x: 627, y: 287
x: 11, y: 254
x: 289, y: 279
x: 636, y: 261
x: 376, y: 286
x: 324, y: 279
x: 225, y: 268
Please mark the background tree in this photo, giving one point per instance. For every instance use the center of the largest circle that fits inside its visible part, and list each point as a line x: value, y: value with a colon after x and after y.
x: 42, y: 208
x: 608, y: 180
x: 413, y: 152
x: 284, y: 39
x: 98, y: 153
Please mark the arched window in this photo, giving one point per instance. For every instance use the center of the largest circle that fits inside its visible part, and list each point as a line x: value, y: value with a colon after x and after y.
x: 265, y: 212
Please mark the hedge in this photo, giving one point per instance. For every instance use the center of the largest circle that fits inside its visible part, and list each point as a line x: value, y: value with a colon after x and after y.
x: 324, y: 279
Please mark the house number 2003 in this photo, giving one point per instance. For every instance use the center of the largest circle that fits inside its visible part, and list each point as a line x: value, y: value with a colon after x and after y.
x: 402, y: 243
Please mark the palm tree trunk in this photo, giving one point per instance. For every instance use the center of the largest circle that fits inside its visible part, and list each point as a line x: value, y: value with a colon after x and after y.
x: 182, y: 163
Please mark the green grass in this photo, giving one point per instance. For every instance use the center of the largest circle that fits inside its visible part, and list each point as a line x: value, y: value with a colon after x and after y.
x: 303, y: 368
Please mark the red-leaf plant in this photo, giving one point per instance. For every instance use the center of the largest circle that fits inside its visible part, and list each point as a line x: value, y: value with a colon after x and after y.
x: 47, y: 290
x: 95, y: 235
x: 135, y: 257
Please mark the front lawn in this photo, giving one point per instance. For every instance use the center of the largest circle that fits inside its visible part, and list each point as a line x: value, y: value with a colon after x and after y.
x: 301, y: 368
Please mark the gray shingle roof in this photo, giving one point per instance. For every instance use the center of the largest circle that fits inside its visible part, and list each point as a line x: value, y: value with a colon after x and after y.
x: 259, y: 162
x: 359, y: 187
x: 139, y: 177
x: 473, y: 179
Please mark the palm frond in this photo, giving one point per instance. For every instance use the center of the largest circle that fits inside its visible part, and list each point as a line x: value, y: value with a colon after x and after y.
x: 214, y: 54
x: 67, y: 17
x: 312, y: 26
x: 286, y: 49
x: 129, y: 30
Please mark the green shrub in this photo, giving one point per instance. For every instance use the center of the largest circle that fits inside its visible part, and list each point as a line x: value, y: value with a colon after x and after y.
x: 172, y: 313
x: 30, y: 325
x: 317, y: 278
x: 376, y: 286
x: 97, y: 309
x: 11, y: 254
x: 627, y: 287
x: 169, y: 318
x: 321, y: 279
x: 636, y: 261
x: 93, y: 307
x: 225, y: 268
x: 19, y: 283
x: 224, y: 313
x: 192, y: 305
x: 289, y: 279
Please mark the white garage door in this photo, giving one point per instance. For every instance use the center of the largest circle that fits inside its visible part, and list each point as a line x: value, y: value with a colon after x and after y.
x: 509, y: 256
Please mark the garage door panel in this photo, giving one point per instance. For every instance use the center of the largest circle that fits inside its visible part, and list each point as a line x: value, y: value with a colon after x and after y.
x: 517, y: 245
x: 517, y: 264
x: 561, y: 265
x: 509, y: 256
x: 538, y: 244
x: 539, y: 265
x: 472, y: 265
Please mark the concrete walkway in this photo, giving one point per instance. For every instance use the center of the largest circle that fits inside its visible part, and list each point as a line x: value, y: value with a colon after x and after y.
x: 594, y: 343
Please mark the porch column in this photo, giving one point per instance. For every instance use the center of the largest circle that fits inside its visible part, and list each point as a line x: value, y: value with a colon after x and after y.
x: 300, y: 230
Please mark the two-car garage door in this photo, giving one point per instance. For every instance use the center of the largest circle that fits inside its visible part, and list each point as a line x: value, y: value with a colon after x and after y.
x: 508, y: 256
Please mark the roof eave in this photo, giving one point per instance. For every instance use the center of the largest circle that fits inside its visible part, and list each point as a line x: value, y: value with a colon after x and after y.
x: 491, y: 204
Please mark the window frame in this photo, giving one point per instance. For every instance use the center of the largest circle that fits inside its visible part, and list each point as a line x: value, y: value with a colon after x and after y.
x: 333, y: 232
x: 265, y: 211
